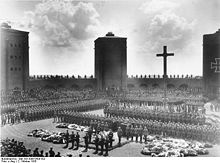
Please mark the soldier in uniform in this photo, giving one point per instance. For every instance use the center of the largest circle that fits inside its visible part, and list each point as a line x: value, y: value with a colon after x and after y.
x: 77, y: 141
x: 203, y: 119
x: 110, y: 112
x: 86, y: 140
x: 54, y: 118
x: 106, y: 127
x: 98, y: 128
x: 145, y: 133
x: 18, y: 117
x: 181, y: 117
x: 173, y: 127
x: 184, y: 131
x: 102, y: 126
x: 12, y: 118
x: 92, y: 124
x: 200, y: 135
x: 106, y: 142
x: 178, y: 130
x: 58, y: 116
x: 73, y: 139
x: 163, y: 128
x: 36, y: 153
x: 26, y: 116
x: 140, y: 132
x: 204, y: 134
x: 90, y: 132
x: 127, y: 132
x: 119, y: 133
x: 169, y: 129
x: 101, y: 143
x: 157, y: 128
x: 149, y: 126
x: 105, y: 112
x: 67, y: 139
x: 136, y: 133
x: 110, y: 136
x: 3, y: 119
x: 96, y: 141
x: 189, y: 132
x: 153, y: 127
x: 188, y: 118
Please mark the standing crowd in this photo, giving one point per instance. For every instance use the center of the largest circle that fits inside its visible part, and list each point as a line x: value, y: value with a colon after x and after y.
x: 13, y: 148
x: 134, y: 115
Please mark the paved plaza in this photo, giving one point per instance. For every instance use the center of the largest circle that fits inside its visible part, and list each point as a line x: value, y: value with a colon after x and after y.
x: 19, y: 132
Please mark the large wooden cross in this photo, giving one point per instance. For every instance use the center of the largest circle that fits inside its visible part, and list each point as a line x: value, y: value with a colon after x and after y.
x: 165, y: 55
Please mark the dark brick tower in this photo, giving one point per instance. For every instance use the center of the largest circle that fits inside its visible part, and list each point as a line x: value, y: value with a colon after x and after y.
x: 211, y: 64
x: 111, y: 62
x: 14, y: 58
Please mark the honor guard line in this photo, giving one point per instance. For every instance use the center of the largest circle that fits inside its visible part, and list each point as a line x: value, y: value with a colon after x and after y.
x: 165, y: 55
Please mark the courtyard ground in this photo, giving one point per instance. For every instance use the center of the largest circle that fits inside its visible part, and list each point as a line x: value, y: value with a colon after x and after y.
x: 19, y: 132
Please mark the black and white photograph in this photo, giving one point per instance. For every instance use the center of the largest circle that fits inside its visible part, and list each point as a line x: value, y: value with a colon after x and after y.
x: 109, y: 78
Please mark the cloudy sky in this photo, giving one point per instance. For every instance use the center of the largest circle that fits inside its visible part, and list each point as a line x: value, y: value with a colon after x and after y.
x: 62, y: 33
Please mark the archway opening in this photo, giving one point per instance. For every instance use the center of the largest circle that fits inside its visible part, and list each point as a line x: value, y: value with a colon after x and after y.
x: 155, y: 86
x: 143, y: 86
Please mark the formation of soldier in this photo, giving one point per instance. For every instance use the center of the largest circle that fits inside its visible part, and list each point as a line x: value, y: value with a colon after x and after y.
x: 136, y: 128
x: 42, y: 94
x: 24, y: 106
x: 161, y: 115
x: 33, y: 113
x: 158, y: 93
x: 135, y: 122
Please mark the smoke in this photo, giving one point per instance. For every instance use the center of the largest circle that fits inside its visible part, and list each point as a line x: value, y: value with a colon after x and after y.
x: 63, y: 23
x: 164, y: 27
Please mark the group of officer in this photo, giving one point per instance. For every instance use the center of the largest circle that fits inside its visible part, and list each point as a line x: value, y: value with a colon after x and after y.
x: 100, y: 137
x: 73, y: 138
x: 162, y: 115
x: 137, y: 127
x: 104, y: 140
x: 11, y: 118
